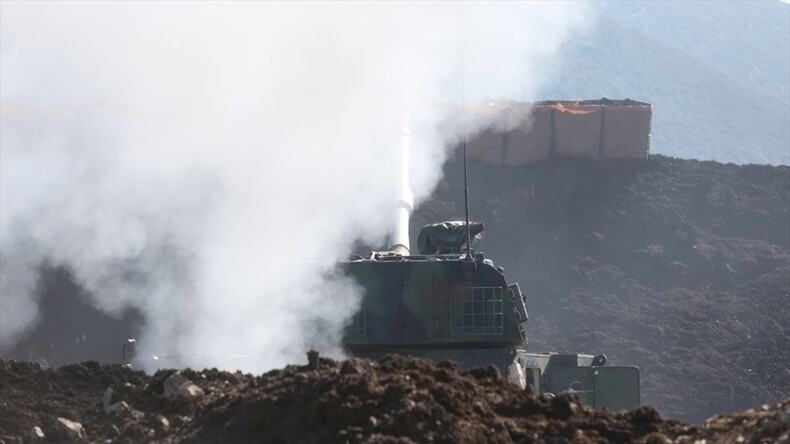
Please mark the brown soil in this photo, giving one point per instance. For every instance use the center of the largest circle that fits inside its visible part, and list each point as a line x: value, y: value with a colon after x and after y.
x: 397, y: 399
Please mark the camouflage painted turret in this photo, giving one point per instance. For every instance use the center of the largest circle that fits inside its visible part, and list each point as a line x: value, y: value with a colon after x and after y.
x: 449, y: 302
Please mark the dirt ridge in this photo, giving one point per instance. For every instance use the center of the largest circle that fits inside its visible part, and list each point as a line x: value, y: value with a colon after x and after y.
x: 395, y: 399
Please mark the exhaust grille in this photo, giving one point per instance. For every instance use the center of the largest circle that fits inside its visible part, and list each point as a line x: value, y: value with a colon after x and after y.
x: 476, y: 311
x: 357, y: 327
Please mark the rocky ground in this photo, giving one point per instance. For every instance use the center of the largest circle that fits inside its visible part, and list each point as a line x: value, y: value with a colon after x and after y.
x: 679, y: 267
x: 396, y: 399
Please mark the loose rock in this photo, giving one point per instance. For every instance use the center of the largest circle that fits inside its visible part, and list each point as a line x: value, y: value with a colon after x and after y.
x: 173, y: 383
x: 37, y: 434
x: 188, y: 391
x: 73, y: 429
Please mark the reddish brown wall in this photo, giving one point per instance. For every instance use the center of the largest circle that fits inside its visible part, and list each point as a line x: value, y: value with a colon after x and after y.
x: 528, y: 132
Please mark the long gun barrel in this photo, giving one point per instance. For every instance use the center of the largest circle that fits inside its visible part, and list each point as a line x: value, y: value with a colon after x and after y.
x: 399, y: 229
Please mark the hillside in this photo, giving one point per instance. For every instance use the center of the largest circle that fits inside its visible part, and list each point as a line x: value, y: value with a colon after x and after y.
x: 717, y: 75
x: 394, y: 400
x: 680, y: 267
x: 744, y: 40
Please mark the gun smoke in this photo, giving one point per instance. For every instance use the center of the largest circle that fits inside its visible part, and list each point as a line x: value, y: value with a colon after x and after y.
x: 208, y: 164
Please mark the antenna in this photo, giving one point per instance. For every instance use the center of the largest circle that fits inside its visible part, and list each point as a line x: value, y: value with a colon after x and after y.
x: 466, y: 178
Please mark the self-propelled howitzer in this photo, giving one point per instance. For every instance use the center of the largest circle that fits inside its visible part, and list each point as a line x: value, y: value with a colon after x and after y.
x: 440, y: 306
x: 449, y: 302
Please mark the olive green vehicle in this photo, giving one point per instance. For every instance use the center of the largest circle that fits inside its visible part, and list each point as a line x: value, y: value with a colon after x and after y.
x: 449, y: 302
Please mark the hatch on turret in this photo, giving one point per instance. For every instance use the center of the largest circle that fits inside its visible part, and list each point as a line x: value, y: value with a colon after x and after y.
x: 448, y: 237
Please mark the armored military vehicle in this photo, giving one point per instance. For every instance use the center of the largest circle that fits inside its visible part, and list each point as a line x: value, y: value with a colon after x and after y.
x: 451, y: 302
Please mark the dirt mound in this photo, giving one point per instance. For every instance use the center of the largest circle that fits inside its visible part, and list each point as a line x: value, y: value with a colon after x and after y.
x: 395, y: 399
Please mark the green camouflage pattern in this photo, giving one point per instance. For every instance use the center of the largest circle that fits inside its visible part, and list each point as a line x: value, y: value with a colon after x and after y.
x: 438, y: 307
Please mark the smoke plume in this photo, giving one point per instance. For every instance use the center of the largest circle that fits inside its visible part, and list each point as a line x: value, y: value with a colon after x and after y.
x: 208, y: 163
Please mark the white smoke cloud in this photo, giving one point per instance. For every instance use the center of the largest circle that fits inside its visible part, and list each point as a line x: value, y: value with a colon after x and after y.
x: 208, y: 163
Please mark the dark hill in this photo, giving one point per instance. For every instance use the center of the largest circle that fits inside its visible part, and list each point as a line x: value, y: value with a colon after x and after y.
x: 680, y: 267
x: 716, y: 73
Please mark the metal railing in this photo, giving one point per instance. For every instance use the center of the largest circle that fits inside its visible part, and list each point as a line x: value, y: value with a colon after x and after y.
x: 476, y: 311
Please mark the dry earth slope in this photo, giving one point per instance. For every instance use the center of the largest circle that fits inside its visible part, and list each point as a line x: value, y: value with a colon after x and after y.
x: 680, y: 267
